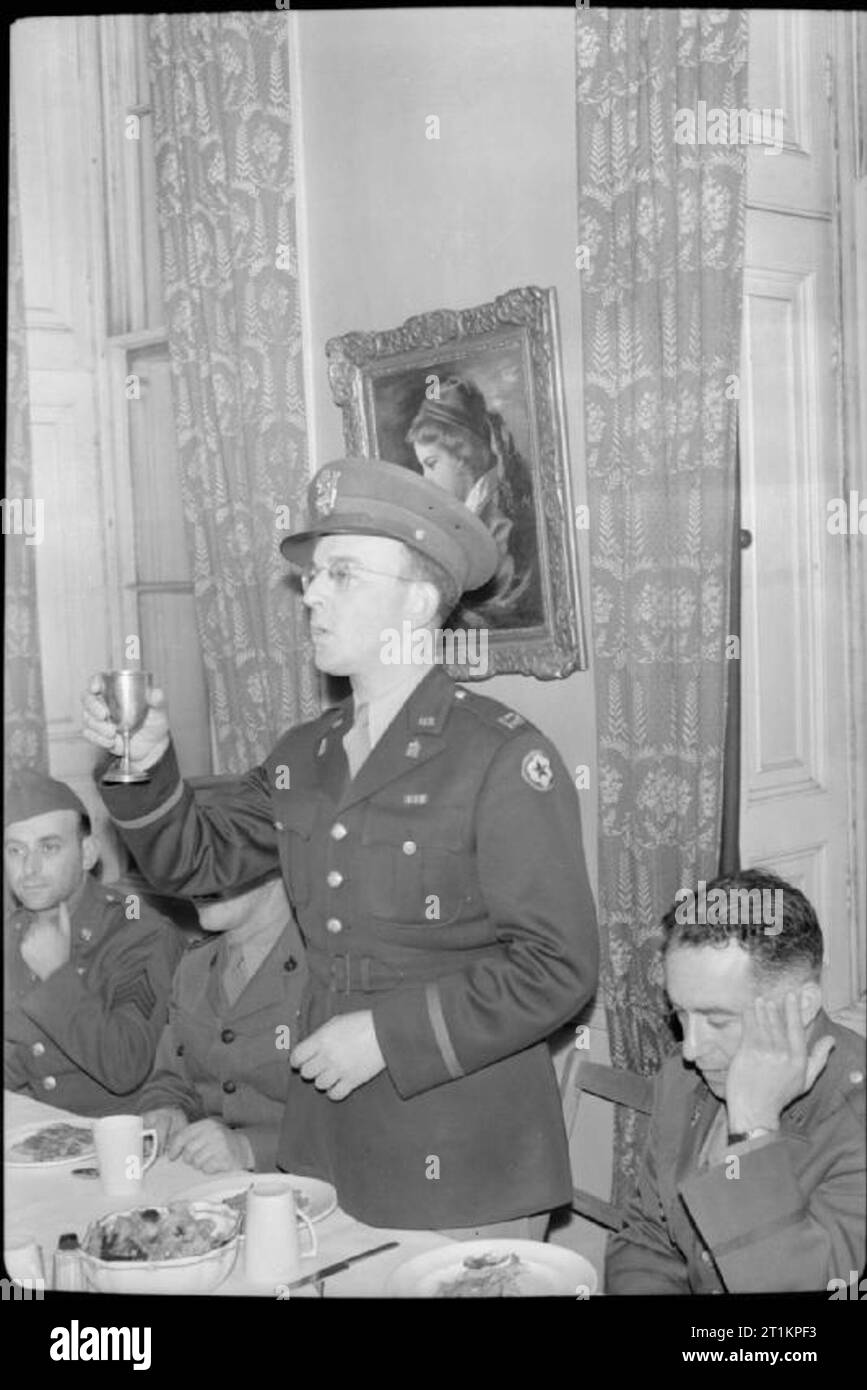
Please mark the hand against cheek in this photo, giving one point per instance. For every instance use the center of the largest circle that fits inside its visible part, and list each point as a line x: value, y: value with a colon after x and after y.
x: 341, y: 1055
x: 771, y: 1067
x: 46, y: 946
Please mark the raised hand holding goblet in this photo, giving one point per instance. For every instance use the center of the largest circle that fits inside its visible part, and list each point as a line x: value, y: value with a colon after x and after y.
x: 125, y: 694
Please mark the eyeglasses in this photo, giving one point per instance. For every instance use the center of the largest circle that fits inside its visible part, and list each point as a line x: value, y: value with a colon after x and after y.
x: 342, y: 574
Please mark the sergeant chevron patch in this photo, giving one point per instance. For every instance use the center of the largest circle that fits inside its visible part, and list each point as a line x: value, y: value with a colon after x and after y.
x: 138, y: 991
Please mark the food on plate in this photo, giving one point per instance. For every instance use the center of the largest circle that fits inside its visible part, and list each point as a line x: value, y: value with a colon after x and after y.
x: 53, y: 1142
x: 487, y: 1276
x: 177, y: 1232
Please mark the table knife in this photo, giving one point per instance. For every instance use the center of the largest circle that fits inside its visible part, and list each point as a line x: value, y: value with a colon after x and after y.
x: 339, y: 1267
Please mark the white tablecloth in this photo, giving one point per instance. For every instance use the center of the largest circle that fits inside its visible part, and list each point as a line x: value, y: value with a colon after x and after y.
x: 45, y: 1203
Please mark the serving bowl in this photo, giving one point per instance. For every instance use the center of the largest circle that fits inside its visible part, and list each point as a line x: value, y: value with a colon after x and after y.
x: 195, y: 1274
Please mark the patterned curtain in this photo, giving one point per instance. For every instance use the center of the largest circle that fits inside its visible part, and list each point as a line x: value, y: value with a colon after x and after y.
x: 226, y: 210
x: 663, y: 227
x: 25, y: 740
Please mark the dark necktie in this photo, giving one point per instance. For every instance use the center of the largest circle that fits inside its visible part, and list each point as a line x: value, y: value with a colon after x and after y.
x: 356, y: 741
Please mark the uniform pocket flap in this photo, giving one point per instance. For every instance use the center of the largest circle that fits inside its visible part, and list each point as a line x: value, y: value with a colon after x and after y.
x: 438, y: 827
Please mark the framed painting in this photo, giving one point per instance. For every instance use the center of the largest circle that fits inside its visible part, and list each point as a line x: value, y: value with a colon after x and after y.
x: 473, y: 399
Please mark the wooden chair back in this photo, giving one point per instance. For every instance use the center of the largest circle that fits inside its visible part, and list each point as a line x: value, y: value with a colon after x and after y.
x: 582, y: 1077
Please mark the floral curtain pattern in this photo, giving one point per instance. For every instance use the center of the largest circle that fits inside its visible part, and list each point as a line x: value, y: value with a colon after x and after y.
x: 226, y: 212
x: 25, y: 741
x: 662, y: 227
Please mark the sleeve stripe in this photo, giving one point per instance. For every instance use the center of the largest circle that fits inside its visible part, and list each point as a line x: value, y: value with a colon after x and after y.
x: 441, y: 1032
x: 141, y: 821
x: 757, y: 1233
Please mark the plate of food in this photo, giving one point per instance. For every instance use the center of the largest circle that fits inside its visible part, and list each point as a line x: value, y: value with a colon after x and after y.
x: 49, y: 1145
x: 494, y: 1269
x: 186, y: 1247
x: 316, y: 1199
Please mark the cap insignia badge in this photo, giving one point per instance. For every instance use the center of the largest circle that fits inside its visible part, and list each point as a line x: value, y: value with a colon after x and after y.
x: 326, y: 491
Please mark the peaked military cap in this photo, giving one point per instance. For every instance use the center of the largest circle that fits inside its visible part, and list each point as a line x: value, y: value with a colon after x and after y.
x: 376, y: 498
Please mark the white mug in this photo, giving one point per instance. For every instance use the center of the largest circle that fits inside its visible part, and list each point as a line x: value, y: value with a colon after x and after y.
x: 119, y: 1141
x: 272, y: 1251
x: 23, y: 1261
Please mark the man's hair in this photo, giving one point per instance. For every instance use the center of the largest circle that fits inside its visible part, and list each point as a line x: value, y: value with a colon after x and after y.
x: 428, y: 571
x: 795, y: 944
x: 84, y: 826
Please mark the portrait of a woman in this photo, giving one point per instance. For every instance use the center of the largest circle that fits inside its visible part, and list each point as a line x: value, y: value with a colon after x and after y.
x: 467, y: 449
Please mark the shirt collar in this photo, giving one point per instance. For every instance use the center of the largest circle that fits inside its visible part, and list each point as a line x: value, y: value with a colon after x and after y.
x: 382, y: 709
x: 253, y: 946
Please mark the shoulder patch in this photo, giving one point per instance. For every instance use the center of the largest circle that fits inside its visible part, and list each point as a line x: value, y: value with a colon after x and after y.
x: 537, y: 771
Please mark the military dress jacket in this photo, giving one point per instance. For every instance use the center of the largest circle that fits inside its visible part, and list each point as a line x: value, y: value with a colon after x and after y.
x: 230, y: 1061
x: 443, y: 888
x: 791, y: 1220
x: 85, y: 1038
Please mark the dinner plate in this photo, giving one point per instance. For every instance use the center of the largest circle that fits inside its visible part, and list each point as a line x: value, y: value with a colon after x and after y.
x: 17, y: 1136
x: 315, y: 1198
x: 537, y: 1271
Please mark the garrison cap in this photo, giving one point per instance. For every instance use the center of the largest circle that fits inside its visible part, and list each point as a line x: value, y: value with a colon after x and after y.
x: 236, y: 890
x: 33, y: 794
x: 375, y: 498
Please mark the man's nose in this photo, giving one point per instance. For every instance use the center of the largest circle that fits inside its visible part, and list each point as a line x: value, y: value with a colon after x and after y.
x: 691, y: 1038
x: 33, y: 863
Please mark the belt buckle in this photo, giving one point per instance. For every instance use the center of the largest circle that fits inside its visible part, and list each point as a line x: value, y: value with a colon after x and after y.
x: 338, y: 985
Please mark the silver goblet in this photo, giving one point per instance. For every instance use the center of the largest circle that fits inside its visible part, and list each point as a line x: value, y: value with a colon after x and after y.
x: 125, y: 693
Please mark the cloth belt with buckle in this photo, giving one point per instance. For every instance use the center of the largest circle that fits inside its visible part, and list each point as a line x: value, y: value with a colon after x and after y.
x: 346, y: 974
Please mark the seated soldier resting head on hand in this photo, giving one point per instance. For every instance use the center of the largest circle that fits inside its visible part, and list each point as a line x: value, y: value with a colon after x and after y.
x: 753, y: 1179
x: 218, y: 1091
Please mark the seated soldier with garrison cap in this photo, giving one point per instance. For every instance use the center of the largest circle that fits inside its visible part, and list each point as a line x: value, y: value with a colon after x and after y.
x: 87, y: 971
x: 218, y: 1091
x: 430, y: 843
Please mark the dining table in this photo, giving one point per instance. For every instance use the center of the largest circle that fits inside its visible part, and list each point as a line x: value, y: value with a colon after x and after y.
x: 43, y: 1203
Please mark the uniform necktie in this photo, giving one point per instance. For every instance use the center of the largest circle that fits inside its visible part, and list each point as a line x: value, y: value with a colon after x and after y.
x: 235, y: 976
x: 357, y: 741
x: 716, y: 1144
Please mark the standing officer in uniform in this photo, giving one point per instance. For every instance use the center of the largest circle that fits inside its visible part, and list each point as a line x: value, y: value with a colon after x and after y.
x: 430, y: 842
x: 86, y: 989
x: 218, y: 1091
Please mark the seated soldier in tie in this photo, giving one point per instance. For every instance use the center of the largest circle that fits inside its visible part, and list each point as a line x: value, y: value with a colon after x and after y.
x: 88, y: 969
x: 218, y: 1091
x: 753, y: 1179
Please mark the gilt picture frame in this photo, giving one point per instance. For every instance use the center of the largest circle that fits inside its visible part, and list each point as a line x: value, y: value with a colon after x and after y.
x: 507, y: 354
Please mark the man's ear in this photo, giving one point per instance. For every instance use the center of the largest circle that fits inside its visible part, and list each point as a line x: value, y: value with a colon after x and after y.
x: 809, y: 1001
x: 423, y: 601
x: 90, y: 848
